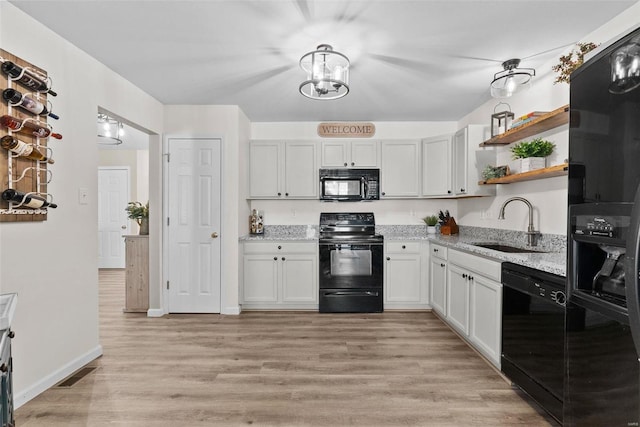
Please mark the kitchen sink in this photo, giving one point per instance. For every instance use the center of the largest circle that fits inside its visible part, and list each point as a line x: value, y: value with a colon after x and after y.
x: 504, y: 248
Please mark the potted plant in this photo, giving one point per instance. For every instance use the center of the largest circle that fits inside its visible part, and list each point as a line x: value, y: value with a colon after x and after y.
x: 431, y: 221
x: 140, y: 213
x: 530, y: 155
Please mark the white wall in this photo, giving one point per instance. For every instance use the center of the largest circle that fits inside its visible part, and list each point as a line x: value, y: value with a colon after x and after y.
x: 549, y: 196
x: 52, y: 265
x: 230, y: 124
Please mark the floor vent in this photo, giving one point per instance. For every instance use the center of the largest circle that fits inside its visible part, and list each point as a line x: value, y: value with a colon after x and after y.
x: 76, y: 376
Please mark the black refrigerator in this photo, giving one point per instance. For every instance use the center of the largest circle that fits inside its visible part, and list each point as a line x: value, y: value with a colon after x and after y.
x: 602, y: 371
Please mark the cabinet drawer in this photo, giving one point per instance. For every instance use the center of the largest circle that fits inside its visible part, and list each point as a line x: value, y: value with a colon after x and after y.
x: 477, y: 264
x: 280, y: 246
x: 438, y: 251
x: 403, y: 247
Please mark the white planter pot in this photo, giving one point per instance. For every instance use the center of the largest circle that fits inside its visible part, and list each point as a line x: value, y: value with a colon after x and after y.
x: 526, y: 165
x: 431, y: 229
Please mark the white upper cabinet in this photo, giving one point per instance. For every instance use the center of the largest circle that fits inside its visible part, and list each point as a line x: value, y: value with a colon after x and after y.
x: 400, y: 171
x: 280, y: 170
x: 265, y: 167
x: 436, y: 166
x: 301, y: 170
x: 469, y: 160
x: 351, y: 154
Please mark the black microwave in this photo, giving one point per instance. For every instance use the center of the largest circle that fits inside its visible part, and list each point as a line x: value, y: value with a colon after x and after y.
x: 349, y: 185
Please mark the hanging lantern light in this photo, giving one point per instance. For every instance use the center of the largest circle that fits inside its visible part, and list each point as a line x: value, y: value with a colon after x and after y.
x: 327, y: 74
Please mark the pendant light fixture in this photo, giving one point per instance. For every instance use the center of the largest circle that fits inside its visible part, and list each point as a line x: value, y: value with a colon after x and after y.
x: 625, y: 67
x: 327, y: 73
x: 110, y: 130
x: 511, y: 80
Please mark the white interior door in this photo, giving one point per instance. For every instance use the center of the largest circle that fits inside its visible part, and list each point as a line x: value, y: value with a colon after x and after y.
x: 113, y: 196
x: 194, y: 224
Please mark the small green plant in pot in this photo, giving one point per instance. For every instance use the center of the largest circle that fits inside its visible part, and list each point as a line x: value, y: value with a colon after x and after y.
x: 431, y: 221
x: 532, y: 154
x: 140, y: 213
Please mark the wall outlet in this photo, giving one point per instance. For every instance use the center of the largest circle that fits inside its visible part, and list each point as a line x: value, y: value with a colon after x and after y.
x: 83, y: 196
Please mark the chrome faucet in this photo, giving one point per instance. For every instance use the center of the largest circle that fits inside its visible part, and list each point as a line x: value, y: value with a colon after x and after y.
x: 532, y: 234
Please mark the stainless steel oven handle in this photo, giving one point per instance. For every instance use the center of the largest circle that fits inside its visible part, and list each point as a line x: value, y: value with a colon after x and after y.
x: 351, y: 293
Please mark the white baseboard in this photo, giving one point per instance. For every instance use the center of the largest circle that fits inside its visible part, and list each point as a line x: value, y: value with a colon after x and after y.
x: 155, y: 312
x: 235, y: 310
x: 23, y: 396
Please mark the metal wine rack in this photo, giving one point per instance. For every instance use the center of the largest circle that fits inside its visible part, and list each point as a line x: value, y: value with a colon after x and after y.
x: 25, y: 175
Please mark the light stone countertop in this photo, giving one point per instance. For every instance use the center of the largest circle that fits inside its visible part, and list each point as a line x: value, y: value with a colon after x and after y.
x: 552, y: 259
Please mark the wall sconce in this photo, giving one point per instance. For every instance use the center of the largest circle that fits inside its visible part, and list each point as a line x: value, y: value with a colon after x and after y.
x: 501, y: 122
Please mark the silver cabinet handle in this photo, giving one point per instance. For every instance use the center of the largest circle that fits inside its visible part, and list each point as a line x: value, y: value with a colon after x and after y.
x: 124, y: 227
x: 214, y: 235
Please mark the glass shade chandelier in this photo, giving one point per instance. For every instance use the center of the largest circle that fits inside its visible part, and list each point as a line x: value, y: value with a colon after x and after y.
x: 327, y: 73
x: 511, y: 80
x: 110, y: 130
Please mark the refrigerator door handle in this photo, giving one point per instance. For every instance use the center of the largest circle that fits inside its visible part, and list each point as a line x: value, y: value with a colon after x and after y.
x: 632, y: 270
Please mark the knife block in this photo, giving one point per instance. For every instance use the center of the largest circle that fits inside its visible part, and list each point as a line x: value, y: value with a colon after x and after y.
x: 449, y: 227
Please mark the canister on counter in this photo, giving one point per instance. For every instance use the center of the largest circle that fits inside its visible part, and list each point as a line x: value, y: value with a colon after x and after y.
x: 256, y: 225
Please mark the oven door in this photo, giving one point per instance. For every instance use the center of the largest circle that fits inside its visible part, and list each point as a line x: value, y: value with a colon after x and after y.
x: 351, y: 265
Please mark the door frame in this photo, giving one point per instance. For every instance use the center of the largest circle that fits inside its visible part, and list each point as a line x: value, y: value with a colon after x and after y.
x: 164, y: 303
x: 128, y: 170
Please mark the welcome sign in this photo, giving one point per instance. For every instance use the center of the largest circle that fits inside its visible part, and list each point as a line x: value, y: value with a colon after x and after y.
x: 346, y: 130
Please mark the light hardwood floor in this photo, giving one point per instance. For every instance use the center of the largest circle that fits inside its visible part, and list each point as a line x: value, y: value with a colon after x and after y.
x: 279, y: 369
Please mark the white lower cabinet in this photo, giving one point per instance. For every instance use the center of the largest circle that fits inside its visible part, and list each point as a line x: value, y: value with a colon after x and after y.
x: 467, y: 294
x: 280, y: 275
x: 404, y: 287
x: 486, y: 317
x: 438, y: 279
x: 458, y: 298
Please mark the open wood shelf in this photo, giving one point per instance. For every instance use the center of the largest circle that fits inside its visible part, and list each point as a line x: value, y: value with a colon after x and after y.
x: 557, y: 170
x: 553, y: 119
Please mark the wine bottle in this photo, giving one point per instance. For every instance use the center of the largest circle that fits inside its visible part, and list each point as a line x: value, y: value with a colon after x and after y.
x: 28, y: 126
x: 30, y: 201
x: 28, y: 79
x: 13, y: 97
x: 23, y: 149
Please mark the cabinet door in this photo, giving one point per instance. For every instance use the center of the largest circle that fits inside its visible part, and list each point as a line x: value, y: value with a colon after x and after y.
x: 460, y: 153
x: 260, y: 278
x: 438, y: 288
x: 335, y: 154
x: 301, y: 173
x: 458, y: 299
x: 299, y: 278
x: 400, y: 169
x: 436, y: 166
x: 364, y: 154
x: 265, y: 164
x: 486, y: 320
x: 402, y: 278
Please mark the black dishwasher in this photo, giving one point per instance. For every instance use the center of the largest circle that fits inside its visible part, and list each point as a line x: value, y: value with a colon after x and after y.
x: 533, y: 307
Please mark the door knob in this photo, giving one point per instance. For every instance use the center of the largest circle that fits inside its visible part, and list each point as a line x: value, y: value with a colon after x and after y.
x: 214, y: 235
x: 124, y: 227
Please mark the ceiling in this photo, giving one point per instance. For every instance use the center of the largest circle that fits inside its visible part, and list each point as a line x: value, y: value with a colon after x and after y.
x: 410, y: 60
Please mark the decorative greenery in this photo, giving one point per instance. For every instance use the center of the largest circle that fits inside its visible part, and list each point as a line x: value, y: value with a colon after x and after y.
x: 569, y: 62
x: 137, y: 211
x: 534, y: 148
x: 430, y: 220
x: 495, y: 172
